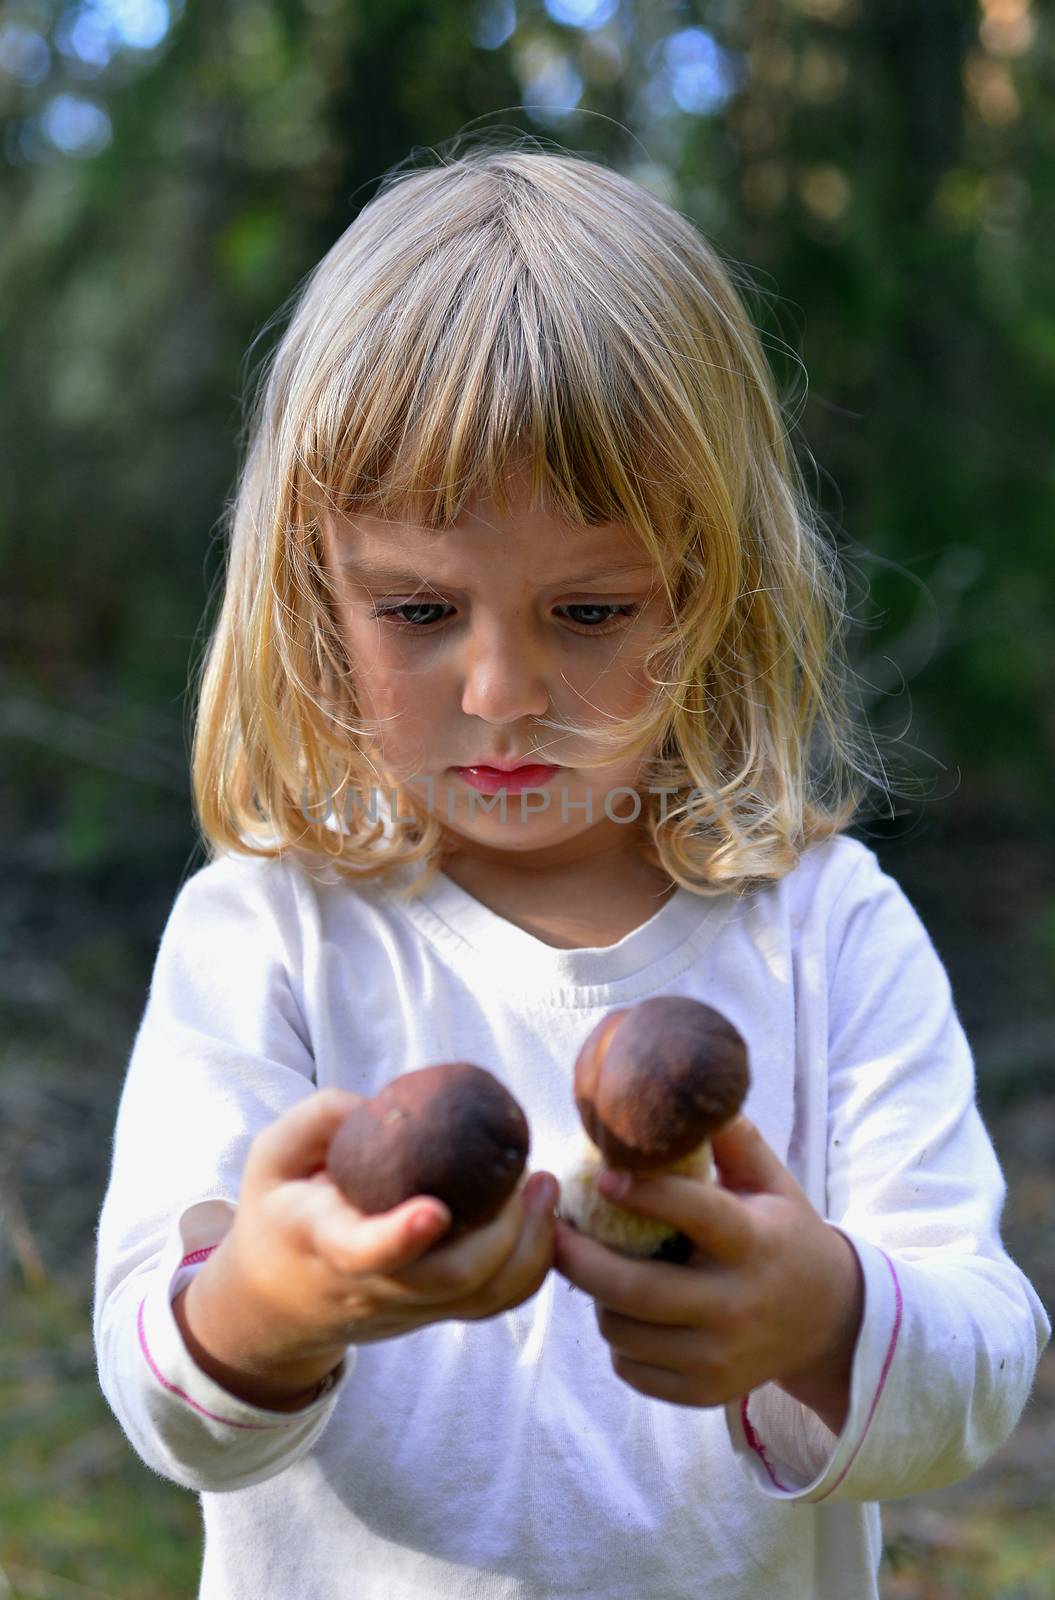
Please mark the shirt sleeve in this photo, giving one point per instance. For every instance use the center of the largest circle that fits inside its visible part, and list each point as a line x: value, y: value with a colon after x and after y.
x: 952, y: 1330
x: 220, y: 1052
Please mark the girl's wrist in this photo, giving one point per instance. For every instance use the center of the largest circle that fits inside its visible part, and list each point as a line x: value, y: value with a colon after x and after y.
x: 271, y: 1396
x: 220, y: 1341
x: 824, y: 1386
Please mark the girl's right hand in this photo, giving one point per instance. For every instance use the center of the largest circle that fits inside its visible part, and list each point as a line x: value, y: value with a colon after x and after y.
x: 303, y: 1273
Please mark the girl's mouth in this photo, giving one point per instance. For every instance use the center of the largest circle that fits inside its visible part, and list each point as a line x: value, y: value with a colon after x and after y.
x: 489, y: 780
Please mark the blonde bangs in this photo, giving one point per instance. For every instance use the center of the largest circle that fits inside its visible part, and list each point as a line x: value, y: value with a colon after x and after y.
x: 508, y: 312
x: 492, y: 370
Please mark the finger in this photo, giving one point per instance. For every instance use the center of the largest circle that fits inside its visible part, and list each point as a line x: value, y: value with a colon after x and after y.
x: 747, y: 1164
x: 354, y: 1244
x: 457, y: 1267
x: 295, y: 1144
x: 672, y: 1294
x: 525, y: 1271
x: 714, y: 1219
x: 677, y: 1349
x: 679, y: 1388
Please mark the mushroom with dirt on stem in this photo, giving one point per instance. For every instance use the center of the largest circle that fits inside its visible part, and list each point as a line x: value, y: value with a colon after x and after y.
x: 653, y: 1083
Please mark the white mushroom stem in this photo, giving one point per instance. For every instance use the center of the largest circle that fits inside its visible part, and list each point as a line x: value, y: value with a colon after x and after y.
x: 626, y: 1231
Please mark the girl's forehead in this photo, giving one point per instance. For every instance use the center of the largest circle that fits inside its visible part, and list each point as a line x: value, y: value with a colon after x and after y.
x: 531, y: 537
x: 518, y: 503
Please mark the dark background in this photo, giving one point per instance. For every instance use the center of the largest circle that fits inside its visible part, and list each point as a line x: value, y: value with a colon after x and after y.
x: 884, y: 170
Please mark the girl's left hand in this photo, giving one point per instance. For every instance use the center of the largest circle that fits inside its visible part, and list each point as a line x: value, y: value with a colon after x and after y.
x: 772, y: 1292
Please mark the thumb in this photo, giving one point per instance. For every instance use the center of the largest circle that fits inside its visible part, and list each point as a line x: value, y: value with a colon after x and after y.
x: 746, y: 1162
x: 385, y: 1242
x: 295, y: 1144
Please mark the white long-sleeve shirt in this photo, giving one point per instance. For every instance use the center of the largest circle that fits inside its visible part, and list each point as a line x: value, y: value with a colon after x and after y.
x: 505, y: 1459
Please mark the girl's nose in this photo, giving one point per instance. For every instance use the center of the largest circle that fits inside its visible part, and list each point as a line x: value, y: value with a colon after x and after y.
x: 505, y: 677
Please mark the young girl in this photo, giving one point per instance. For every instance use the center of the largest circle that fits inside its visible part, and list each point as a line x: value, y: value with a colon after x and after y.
x: 518, y: 492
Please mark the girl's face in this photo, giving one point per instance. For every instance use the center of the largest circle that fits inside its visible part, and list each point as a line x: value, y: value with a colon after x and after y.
x: 461, y: 642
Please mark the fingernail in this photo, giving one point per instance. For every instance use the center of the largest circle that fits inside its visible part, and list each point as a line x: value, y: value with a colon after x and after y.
x: 544, y: 1195
x: 424, y: 1222
x: 614, y: 1184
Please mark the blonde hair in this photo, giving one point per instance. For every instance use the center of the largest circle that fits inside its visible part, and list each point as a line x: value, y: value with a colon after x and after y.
x: 516, y: 309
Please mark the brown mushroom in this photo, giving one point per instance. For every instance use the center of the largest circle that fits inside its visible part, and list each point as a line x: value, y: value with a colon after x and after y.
x: 451, y: 1131
x: 653, y: 1082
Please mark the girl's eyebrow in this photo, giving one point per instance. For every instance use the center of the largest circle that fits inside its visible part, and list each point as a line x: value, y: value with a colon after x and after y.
x: 364, y: 569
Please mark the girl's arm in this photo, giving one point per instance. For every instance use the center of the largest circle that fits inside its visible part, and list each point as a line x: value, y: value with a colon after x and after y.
x: 287, y: 1387
x: 951, y: 1330
x: 220, y: 1053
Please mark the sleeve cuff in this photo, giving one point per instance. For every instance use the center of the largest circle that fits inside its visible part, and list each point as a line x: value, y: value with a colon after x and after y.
x: 177, y: 1377
x: 785, y: 1448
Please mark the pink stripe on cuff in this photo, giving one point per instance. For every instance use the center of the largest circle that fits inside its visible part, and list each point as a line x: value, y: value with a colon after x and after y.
x: 755, y: 1442
x: 882, y: 1376
x: 171, y: 1387
x: 756, y: 1445
x: 198, y: 1255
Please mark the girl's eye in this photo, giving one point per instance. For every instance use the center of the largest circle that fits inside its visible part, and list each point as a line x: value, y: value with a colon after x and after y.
x: 427, y: 624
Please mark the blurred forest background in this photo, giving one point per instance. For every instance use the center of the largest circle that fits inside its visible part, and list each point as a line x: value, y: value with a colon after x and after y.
x: 885, y: 169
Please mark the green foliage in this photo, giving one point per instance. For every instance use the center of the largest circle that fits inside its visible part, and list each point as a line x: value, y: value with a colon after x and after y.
x: 68, y: 1476
x: 1005, y: 1553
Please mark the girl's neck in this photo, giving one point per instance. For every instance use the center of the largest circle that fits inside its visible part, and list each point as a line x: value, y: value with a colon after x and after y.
x: 585, y: 904
x: 610, y: 848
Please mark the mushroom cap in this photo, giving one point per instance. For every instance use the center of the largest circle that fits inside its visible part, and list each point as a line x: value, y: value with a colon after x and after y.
x: 654, y: 1080
x: 452, y: 1131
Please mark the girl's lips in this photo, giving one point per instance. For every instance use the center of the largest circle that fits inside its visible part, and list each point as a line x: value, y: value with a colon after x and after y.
x: 490, y: 780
